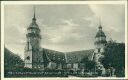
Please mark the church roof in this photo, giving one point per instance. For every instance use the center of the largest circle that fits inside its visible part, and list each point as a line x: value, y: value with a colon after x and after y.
x: 68, y: 57
x: 54, y: 56
x: 77, y: 56
x: 33, y: 24
x: 100, y: 33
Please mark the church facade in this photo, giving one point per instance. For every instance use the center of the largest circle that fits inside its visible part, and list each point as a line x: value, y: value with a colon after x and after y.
x: 37, y: 57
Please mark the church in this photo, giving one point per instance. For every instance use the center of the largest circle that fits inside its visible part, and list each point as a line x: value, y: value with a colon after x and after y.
x: 41, y: 58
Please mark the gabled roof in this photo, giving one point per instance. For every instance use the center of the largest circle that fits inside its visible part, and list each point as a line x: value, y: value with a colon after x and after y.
x: 77, y: 56
x: 54, y: 56
x: 67, y: 57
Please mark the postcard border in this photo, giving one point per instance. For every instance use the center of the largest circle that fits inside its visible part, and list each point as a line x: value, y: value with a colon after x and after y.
x: 3, y: 3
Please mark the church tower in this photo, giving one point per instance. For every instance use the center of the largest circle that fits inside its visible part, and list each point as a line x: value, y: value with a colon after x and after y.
x: 32, y: 48
x: 100, y: 41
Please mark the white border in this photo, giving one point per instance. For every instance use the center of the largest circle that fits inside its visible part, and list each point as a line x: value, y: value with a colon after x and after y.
x: 3, y: 3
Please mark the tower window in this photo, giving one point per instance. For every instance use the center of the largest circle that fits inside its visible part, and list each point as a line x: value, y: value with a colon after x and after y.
x: 99, y: 50
x: 28, y: 58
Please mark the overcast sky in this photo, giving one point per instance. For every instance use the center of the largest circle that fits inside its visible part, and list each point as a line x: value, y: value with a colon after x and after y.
x: 63, y: 27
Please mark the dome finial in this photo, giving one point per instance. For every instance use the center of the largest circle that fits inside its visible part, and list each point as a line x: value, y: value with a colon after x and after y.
x: 100, y: 27
x: 34, y: 17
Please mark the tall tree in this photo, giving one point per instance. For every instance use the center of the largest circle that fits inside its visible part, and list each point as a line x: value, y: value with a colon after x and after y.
x: 114, y: 56
x: 88, y: 64
x: 11, y: 60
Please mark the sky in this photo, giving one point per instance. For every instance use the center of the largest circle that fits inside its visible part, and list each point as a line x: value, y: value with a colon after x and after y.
x: 64, y: 28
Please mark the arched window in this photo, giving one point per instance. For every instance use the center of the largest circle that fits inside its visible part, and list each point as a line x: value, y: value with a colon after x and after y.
x: 28, y: 58
x: 99, y: 50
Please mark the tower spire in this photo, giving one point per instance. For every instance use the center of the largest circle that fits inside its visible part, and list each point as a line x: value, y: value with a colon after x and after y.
x: 34, y: 11
x: 100, y: 20
x: 100, y: 26
x: 34, y: 17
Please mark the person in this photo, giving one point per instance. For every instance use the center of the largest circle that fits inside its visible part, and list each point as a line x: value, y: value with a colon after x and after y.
x: 108, y: 72
x: 113, y: 72
x: 99, y: 71
x: 82, y: 72
x: 103, y: 71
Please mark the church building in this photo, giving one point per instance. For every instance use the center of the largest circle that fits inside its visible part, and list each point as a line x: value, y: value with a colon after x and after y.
x: 37, y: 57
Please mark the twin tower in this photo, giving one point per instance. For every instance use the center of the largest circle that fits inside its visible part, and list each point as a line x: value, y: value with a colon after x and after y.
x: 32, y: 49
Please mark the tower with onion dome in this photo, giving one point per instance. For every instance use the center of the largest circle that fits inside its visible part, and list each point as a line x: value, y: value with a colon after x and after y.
x: 32, y: 49
x: 100, y: 41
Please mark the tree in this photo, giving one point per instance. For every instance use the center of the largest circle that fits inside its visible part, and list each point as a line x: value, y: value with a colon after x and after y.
x: 114, y: 56
x: 12, y: 60
x: 88, y: 64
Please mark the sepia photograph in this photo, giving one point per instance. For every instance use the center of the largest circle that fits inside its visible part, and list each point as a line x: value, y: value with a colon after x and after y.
x: 64, y: 40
